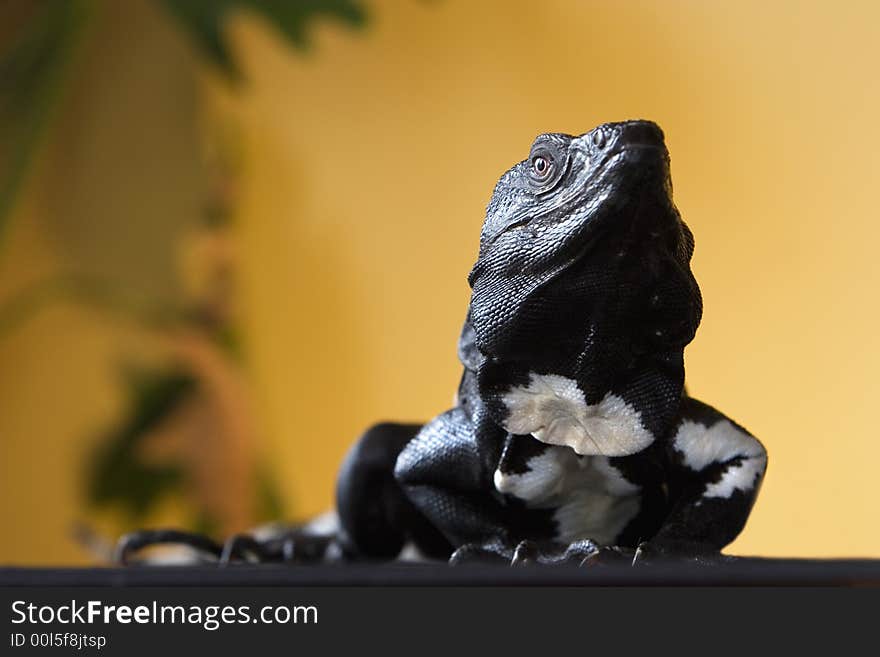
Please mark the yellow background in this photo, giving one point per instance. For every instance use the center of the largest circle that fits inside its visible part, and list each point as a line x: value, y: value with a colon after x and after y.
x: 368, y: 164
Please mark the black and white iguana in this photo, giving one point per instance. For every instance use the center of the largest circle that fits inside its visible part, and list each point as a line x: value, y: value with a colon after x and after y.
x: 572, y: 437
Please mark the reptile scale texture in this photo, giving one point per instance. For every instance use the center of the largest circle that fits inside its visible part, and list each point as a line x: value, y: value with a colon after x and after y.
x: 572, y: 439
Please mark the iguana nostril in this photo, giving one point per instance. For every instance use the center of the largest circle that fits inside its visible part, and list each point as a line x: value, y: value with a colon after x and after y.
x: 599, y: 139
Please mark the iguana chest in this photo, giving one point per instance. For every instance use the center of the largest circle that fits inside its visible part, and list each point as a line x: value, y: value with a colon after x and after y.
x: 587, y: 496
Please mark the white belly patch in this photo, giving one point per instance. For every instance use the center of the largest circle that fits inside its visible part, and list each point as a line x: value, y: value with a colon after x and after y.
x: 553, y: 409
x: 590, y: 497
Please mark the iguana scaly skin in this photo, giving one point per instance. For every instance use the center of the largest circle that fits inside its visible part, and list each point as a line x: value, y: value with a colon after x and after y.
x: 572, y: 438
x: 572, y: 431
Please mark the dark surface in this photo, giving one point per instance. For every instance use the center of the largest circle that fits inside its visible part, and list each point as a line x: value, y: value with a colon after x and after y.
x: 739, y: 572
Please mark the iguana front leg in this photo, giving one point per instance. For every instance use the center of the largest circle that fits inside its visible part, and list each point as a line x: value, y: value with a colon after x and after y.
x: 716, y: 470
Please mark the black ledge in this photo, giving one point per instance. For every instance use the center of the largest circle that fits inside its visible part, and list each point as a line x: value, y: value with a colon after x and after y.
x: 741, y: 571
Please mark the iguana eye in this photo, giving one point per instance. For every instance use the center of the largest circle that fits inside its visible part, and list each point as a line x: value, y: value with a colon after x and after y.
x: 545, y: 166
x: 541, y: 166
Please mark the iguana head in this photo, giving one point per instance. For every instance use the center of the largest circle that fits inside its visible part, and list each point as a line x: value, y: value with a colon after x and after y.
x: 581, y: 240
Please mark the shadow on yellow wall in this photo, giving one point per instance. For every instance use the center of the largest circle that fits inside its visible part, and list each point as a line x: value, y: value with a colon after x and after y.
x: 369, y: 163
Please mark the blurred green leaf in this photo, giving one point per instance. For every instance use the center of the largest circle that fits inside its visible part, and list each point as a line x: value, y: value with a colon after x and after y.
x: 205, y: 19
x: 95, y: 292
x: 119, y: 475
x: 34, y: 57
x: 270, y: 504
